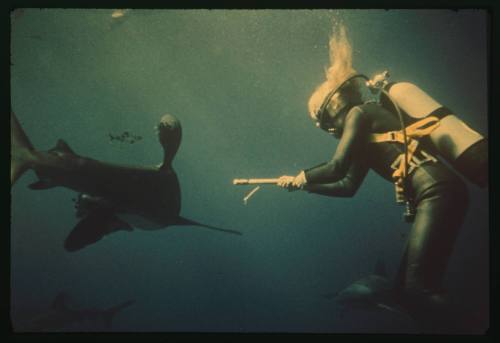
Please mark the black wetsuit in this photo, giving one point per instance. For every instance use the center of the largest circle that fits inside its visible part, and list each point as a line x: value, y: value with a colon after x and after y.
x: 440, y: 196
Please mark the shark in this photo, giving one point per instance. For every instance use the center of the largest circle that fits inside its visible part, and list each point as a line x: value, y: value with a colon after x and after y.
x: 111, y: 197
x: 378, y: 292
x: 61, y: 316
x: 372, y: 292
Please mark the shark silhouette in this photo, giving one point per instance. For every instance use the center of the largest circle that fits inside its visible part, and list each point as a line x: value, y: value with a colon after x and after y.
x: 373, y: 292
x: 377, y: 292
x: 112, y: 197
x: 60, y: 316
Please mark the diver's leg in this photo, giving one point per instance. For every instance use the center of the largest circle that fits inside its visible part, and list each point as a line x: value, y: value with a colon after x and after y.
x: 433, y: 235
x: 440, y: 213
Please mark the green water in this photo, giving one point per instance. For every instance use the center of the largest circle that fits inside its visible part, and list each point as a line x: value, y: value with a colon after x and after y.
x: 239, y: 81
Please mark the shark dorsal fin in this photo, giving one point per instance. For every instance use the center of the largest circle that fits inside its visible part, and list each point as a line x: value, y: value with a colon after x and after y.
x: 380, y: 268
x: 62, y: 146
x: 60, y: 302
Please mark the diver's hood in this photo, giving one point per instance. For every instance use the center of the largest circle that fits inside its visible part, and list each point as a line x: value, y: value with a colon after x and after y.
x: 365, y: 96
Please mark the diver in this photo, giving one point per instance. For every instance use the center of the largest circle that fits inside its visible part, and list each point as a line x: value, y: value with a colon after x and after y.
x: 371, y: 136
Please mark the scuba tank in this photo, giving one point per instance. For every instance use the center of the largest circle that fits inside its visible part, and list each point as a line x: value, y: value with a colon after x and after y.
x: 463, y: 148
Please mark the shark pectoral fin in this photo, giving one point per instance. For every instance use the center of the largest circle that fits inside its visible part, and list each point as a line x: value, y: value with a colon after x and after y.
x: 184, y: 221
x: 41, y: 184
x: 92, y: 228
x: 393, y: 309
x: 385, y: 307
x: 119, y: 224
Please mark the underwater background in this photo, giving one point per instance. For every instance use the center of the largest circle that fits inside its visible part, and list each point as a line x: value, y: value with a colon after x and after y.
x: 239, y: 81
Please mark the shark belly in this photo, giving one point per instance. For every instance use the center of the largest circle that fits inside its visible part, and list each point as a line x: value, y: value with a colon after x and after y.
x: 140, y: 222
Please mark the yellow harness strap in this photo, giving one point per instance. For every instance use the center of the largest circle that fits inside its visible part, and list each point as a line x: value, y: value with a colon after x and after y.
x: 415, y: 130
x: 413, y: 133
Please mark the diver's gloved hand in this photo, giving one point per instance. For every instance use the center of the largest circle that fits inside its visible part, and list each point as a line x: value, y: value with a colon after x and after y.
x: 292, y: 183
x: 300, y: 180
x: 285, y: 181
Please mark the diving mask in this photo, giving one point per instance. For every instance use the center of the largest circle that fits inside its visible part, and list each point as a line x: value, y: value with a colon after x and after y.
x: 324, y: 120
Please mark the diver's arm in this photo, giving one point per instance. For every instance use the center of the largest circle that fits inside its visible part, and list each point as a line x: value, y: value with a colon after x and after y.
x: 355, y: 128
x: 345, y: 187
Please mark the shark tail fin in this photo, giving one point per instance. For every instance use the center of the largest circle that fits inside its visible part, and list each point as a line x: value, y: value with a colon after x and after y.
x: 185, y: 221
x: 21, y: 150
x: 42, y: 183
x: 111, y: 312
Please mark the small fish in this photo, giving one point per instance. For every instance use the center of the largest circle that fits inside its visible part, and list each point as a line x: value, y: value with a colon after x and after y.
x: 119, y: 13
x: 125, y: 137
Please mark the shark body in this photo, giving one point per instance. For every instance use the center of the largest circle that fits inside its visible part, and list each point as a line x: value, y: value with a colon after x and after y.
x: 111, y: 197
x: 62, y: 317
